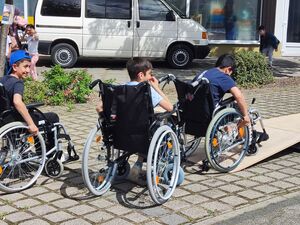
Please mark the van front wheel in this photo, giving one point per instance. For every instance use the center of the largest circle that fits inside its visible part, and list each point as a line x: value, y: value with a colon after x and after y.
x: 64, y: 54
x: 180, y: 56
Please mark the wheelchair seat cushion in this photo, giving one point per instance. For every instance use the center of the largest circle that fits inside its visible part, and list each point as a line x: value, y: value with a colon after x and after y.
x: 196, y: 106
x: 134, y: 113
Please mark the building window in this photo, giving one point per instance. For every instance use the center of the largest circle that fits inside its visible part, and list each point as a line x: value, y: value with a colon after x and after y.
x: 64, y: 8
x: 230, y: 20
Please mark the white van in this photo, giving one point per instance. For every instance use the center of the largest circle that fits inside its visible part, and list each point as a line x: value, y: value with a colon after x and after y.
x: 118, y: 29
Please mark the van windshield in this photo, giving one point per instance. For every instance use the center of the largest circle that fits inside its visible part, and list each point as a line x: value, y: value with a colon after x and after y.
x: 179, y: 6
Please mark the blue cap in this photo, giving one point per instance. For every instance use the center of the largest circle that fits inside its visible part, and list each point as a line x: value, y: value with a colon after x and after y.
x: 18, y: 55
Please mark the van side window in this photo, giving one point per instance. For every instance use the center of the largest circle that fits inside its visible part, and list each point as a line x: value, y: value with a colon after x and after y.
x: 64, y: 8
x: 152, y: 10
x: 110, y: 9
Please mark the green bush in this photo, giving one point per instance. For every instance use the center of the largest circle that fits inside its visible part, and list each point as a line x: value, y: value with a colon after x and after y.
x: 59, y: 87
x: 35, y: 91
x: 252, y: 69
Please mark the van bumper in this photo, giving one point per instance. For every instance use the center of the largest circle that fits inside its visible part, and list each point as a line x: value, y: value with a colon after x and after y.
x: 45, y: 47
x: 201, y: 51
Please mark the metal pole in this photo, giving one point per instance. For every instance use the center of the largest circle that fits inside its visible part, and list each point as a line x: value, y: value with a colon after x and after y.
x: 3, y: 36
x: 188, y: 2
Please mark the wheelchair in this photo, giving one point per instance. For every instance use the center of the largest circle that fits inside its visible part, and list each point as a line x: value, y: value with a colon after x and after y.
x: 134, y: 129
x: 24, y: 156
x: 226, y: 143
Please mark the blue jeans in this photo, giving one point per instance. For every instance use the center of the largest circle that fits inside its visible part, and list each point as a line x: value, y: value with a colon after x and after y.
x: 268, y: 52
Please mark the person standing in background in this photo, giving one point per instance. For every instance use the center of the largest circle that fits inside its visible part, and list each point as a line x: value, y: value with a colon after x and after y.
x: 268, y: 43
x: 229, y: 21
x: 32, y: 41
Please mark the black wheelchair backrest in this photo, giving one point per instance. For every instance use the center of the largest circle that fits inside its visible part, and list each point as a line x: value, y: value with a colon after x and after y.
x: 195, y: 105
x: 4, y: 99
x: 133, y: 108
x: 106, y: 92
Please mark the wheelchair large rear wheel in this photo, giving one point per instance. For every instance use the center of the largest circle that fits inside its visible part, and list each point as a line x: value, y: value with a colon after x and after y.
x: 22, y: 157
x: 98, y: 167
x: 164, y: 151
x: 226, y: 143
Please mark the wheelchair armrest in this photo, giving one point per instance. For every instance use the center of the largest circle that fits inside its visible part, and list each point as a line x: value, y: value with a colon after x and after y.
x: 34, y: 105
x: 227, y: 101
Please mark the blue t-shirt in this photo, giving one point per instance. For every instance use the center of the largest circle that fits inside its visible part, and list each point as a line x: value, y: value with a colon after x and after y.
x: 156, y: 98
x: 220, y: 83
x: 12, y: 86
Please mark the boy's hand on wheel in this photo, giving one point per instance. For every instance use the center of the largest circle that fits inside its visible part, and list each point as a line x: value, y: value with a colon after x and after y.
x: 33, y: 129
x: 245, y: 121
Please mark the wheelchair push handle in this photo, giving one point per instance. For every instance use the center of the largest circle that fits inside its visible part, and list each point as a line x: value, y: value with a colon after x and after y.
x: 94, y: 83
x: 168, y: 78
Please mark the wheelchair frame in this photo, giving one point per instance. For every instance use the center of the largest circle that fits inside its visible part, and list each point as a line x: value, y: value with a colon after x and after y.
x: 163, y: 158
x: 227, y: 107
x: 27, y: 153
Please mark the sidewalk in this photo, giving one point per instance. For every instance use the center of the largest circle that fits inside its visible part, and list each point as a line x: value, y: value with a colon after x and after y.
x: 200, y: 197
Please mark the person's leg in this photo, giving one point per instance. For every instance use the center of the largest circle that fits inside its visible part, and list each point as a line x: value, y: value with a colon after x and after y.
x: 33, y: 71
x: 270, y: 55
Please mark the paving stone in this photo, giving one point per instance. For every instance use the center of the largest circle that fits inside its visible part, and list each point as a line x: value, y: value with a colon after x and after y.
x: 290, y: 171
x: 216, y: 206
x: 117, y: 221
x: 2, y: 223
x: 56, y: 185
x: 246, y: 183
x: 156, y: 211
x: 196, y: 177
x: 173, y: 219
x: 26, y: 203
x: 179, y: 192
x: 231, y: 188
x: 119, y: 210
x: 176, y: 204
x: 81, y: 209
x: 245, y: 174
x: 213, y: 183
x: 214, y: 193
x: 64, y: 203
x: 262, y: 179
x: 42, y: 210
x: 277, y: 175
x: 196, y: 188
x: 34, y: 222
x: 273, y: 167
x: 12, y: 197
x: 258, y: 170
x: 18, y: 216
x: 152, y: 223
x: 234, y: 200
x: 7, y: 209
x: 294, y: 180
x: 286, y: 163
x: 250, y: 194
x: 76, y: 222
x: 34, y: 191
x: 266, y: 189
x: 136, y: 217
x: 98, y: 217
x: 195, y: 212
x: 229, y: 178
x: 282, y: 184
x: 59, y: 216
x: 49, y: 197
x: 195, y: 199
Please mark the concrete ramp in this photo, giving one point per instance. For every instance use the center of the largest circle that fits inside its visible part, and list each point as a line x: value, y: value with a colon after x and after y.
x: 283, y: 131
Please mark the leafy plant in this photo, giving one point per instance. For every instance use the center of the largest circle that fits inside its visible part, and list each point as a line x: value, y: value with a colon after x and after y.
x: 59, y: 87
x: 252, y: 69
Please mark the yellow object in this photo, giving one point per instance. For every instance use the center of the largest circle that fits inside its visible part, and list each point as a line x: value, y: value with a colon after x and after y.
x: 98, y: 139
x: 215, y: 142
x: 242, y: 132
x: 169, y: 144
x: 30, y: 140
x: 1, y: 170
x: 157, y: 180
x: 100, y: 179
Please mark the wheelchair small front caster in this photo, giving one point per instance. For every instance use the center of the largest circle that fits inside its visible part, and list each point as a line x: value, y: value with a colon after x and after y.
x: 123, y: 170
x: 205, y: 166
x: 54, y: 167
x: 252, y: 150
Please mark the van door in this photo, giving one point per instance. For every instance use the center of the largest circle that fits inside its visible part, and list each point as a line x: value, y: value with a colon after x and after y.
x: 155, y: 28
x: 108, y: 28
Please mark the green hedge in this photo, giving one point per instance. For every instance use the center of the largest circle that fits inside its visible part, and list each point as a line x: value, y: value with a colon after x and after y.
x: 59, y: 87
x: 252, y: 69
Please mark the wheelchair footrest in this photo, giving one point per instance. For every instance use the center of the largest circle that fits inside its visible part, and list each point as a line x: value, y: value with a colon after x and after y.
x: 262, y: 136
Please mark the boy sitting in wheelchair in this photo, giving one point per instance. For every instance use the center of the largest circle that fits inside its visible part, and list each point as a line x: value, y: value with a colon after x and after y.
x: 13, y: 109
